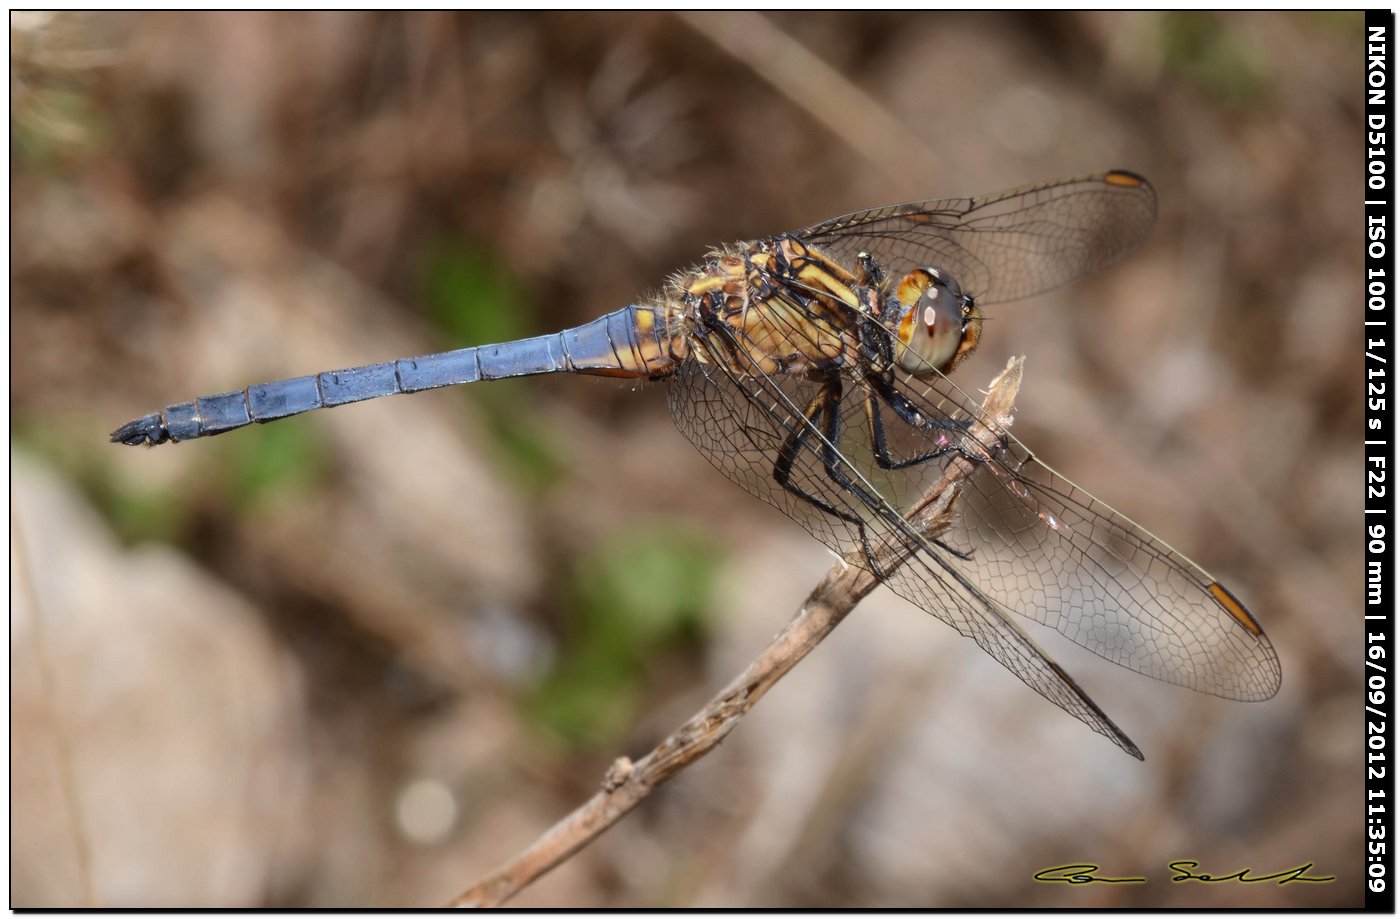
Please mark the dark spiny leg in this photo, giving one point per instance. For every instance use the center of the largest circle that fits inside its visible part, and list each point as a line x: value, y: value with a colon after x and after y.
x: 832, y: 460
x: 877, y: 350
x: 823, y: 404
x: 911, y: 416
x: 881, y: 449
x: 826, y: 401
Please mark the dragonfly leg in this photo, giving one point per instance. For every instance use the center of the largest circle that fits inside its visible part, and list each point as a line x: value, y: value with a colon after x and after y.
x: 882, y: 390
x: 823, y: 413
x: 821, y: 417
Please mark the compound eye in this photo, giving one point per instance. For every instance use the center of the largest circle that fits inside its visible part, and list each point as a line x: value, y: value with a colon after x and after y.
x: 933, y: 330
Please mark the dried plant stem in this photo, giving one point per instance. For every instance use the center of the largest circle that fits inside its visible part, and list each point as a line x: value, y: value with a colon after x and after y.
x: 62, y: 729
x: 823, y: 92
x: 627, y: 783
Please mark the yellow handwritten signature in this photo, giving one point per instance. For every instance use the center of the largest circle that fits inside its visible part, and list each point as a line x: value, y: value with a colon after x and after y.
x: 1183, y: 870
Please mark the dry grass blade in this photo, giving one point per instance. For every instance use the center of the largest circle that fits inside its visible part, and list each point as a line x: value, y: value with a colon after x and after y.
x: 62, y: 735
x: 628, y: 783
x: 823, y: 92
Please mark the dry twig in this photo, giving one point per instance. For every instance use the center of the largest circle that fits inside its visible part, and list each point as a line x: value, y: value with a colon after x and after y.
x: 627, y: 782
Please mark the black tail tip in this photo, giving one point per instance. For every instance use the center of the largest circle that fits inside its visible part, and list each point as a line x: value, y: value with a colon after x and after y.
x: 148, y: 430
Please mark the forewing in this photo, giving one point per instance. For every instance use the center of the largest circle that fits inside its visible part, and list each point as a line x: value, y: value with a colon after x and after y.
x: 1044, y: 547
x: 1006, y: 245
x: 741, y: 423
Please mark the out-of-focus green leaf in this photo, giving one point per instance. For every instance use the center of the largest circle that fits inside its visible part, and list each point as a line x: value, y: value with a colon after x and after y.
x: 142, y: 515
x: 48, y: 123
x: 586, y: 702
x: 136, y: 513
x: 1209, y: 52
x: 1341, y: 23
x: 526, y: 449
x: 471, y: 298
x: 653, y: 584
x: 634, y: 600
x: 265, y: 462
x: 475, y: 302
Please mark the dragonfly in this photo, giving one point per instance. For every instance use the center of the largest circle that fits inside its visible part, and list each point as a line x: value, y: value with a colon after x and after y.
x: 812, y: 368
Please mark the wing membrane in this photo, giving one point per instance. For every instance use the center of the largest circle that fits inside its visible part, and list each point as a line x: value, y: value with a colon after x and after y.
x: 1006, y: 245
x: 1023, y: 538
x: 1044, y: 547
x: 736, y: 420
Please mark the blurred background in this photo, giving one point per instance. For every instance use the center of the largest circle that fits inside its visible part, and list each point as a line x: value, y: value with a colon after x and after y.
x: 363, y: 657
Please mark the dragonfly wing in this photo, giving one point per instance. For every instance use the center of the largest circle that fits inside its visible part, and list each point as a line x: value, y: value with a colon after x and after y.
x: 742, y: 422
x: 1044, y: 547
x: 1006, y: 245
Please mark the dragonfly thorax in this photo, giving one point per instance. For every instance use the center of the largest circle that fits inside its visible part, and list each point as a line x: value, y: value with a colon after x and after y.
x: 936, y: 324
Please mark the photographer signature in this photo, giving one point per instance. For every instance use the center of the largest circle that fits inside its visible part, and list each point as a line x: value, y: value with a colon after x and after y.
x: 1183, y: 870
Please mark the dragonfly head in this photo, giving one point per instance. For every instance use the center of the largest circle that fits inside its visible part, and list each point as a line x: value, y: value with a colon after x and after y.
x: 938, y: 325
